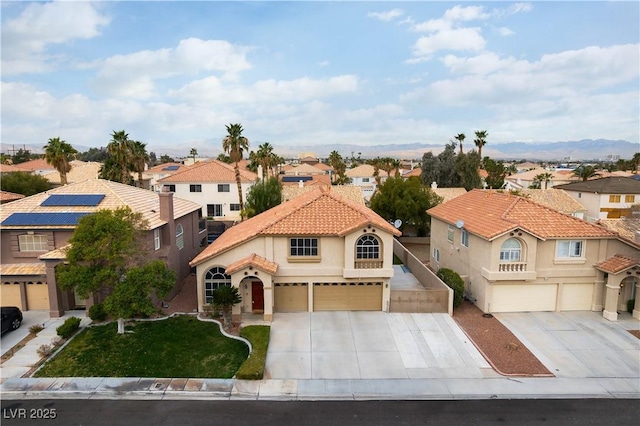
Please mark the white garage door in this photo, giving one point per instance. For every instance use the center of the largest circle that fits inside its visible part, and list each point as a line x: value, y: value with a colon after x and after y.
x: 523, y: 298
x: 347, y: 296
x: 576, y: 297
x: 291, y: 297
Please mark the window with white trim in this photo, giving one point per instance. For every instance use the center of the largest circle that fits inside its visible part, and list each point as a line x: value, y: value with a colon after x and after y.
x: 214, y: 210
x: 368, y: 247
x: 436, y: 254
x: 33, y: 242
x: 215, y: 278
x: 156, y: 238
x: 234, y: 207
x: 303, y: 247
x: 569, y: 249
x: 450, y: 233
x: 179, y: 236
x: 464, y: 238
x: 511, y: 251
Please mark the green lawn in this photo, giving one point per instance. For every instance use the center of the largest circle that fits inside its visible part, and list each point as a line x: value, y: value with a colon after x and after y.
x: 176, y: 347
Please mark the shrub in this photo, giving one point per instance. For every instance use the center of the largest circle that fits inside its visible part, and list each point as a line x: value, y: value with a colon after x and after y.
x: 453, y: 280
x: 69, y: 327
x: 45, y: 350
x: 631, y: 304
x: 56, y: 341
x: 35, y: 329
x: 97, y: 312
x: 253, y: 367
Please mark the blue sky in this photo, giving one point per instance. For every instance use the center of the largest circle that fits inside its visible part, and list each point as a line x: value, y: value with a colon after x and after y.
x: 173, y: 74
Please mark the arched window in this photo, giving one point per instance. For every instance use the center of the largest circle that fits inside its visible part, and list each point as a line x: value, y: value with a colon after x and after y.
x: 179, y: 236
x: 214, y: 278
x: 511, y: 251
x: 368, y: 247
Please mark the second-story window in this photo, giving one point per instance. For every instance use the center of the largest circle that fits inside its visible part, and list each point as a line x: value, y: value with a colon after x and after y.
x: 367, y: 247
x: 31, y: 242
x: 464, y: 238
x: 195, y: 188
x: 569, y: 249
x: 223, y: 187
x: 156, y: 238
x: 306, y: 247
x: 179, y: 236
x: 511, y: 251
x: 450, y: 233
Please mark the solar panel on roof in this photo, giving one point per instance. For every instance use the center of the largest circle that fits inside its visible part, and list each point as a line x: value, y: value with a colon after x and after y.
x: 43, y: 219
x: 169, y: 168
x: 296, y: 178
x: 73, y: 200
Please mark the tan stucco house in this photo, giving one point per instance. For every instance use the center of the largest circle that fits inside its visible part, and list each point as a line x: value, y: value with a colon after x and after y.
x: 318, y: 251
x: 605, y: 198
x: 516, y: 255
x: 35, y: 231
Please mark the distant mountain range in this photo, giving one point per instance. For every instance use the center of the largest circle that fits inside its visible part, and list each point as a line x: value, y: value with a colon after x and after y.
x: 586, y: 149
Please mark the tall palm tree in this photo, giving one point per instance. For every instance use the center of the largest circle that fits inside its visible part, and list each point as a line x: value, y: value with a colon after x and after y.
x: 460, y: 137
x: 139, y: 159
x: 193, y: 153
x: 120, y: 150
x: 234, y: 144
x: 586, y: 172
x: 266, y: 158
x: 543, y: 177
x: 635, y: 162
x: 481, y: 140
x: 59, y: 154
x: 396, y: 166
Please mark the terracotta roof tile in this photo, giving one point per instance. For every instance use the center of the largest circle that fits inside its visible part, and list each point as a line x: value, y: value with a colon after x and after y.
x: 449, y: 193
x: 415, y: 172
x: 79, y: 171
x: 323, y: 166
x: 626, y: 227
x: 37, y: 164
x: 490, y: 214
x: 160, y: 168
x: 315, y: 213
x: 6, y: 196
x: 255, y: 261
x: 316, y: 180
x: 209, y: 171
x: 554, y: 198
x: 304, y: 170
x: 350, y: 192
x: 12, y: 269
x: 364, y: 170
x: 617, y: 263
x: 10, y: 168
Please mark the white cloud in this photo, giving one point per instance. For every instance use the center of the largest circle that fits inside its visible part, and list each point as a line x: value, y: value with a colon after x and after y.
x: 25, y: 38
x: 387, y: 15
x: 133, y: 75
x: 505, y: 31
x: 451, y: 39
x: 468, y: 13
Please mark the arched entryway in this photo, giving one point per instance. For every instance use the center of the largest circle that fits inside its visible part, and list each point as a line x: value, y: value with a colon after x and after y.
x: 254, y: 292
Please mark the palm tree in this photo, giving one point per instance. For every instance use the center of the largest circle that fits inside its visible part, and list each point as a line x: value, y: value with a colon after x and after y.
x: 234, y: 144
x: 266, y: 158
x: 586, y: 172
x: 481, y: 140
x: 193, y: 153
x: 543, y: 177
x: 120, y: 150
x: 226, y: 297
x: 59, y: 154
x: 139, y: 159
x: 635, y: 162
x: 336, y: 162
x: 461, y: 137
x: 396, y: 165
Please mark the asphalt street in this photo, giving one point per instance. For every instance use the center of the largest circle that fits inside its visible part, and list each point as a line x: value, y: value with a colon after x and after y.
x: 66, y: 412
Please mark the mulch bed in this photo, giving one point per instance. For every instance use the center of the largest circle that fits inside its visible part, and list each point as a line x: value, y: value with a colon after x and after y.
x: 635, y: 333
x: 500, y: 347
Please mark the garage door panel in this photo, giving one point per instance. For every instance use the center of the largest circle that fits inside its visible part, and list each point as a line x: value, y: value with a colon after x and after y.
x: 11, y: 295
x: 347, y: 296
x: 576, y: 297
x: 523, y: 298
x: 37, y: 295
x: 291, y: 297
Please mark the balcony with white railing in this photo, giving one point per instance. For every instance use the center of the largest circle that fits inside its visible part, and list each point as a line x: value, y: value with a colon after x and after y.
x: 367, y: 268
x: 509, y: 271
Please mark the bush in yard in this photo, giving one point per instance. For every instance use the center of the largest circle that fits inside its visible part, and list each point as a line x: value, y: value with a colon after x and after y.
x: 453, y: 280
x: 45, y: 350
x: 35, y: 329
x: 253, y: 367
x: 69, y: 327
x: 97, y: 312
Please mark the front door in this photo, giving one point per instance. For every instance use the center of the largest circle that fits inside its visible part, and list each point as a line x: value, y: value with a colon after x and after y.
x: 257, y: 297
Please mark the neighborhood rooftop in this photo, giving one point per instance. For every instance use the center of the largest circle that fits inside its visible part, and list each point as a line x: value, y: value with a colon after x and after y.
x: 608, y: 185
x: 209, y: 171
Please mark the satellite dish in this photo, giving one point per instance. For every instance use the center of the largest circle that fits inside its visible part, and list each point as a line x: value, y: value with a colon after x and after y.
x: 460, y: 223
x: 397, y: 223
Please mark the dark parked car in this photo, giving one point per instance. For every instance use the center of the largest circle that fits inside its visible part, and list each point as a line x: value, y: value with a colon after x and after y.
x: 11, y: 318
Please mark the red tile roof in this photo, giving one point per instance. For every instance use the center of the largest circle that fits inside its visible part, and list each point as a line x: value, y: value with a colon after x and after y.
x: 617, y: 263
x: 490, y: 214
x: 255, y: 261
x: 209, y: 171
x: 317, y: 213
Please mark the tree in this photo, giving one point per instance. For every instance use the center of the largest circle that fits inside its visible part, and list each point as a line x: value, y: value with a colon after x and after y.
x: 262, y: 196
x: 153, y: 159
x: 466, y: 171
x: 164, y: 158
x: 460, y: 137
x: 481, y: 140
x: 635, y: 162
x: 224, y: 158
x: 98, y: 155
x: 543, y: 177
x: 22, y: 155
x: 441, y: 168
x: 104, y: 246
x: 130, y: 297
x: 193, y: 153
x: 264, y: 157
x: 226, y: 297
x: 586, y: 172
x: 406, y: 200
x: 120, y: 153
x: 59, y: 154
x: 139, y: 159
x: 235, y: 144
x: 496, y: 172
x: 339, y: 168
x: 24, y: 183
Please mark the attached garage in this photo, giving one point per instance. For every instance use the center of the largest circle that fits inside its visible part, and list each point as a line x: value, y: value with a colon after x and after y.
x: 354, y: 296
x: 291, y: 297
x: 523, y: 298
x: 37, y: 295
x: 576, y: 297
x: 11, y: 294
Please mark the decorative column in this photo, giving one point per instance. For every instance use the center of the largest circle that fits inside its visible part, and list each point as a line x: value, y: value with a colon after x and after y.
x: 598, y: 293
x: 611, y: 301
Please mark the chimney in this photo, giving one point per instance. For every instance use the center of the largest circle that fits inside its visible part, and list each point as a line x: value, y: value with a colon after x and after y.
x: 636, y: 237
x: 166, y: 214
x: 434, y: 185
x: 300, y: 183
x: 260, y: 172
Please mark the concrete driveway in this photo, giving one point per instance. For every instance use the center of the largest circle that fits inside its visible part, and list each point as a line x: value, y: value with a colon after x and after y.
x: 29, y: 318
x: 579, y: 344
x: 370, y: 345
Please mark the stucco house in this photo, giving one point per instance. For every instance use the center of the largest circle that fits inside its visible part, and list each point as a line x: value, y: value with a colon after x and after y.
x: 317, y: 252
x: 364, y: 177
x: 35, y: 231
x: 605, y: 198
x: 516, y: 255
x: 212, y: 185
